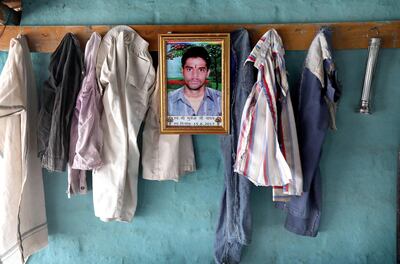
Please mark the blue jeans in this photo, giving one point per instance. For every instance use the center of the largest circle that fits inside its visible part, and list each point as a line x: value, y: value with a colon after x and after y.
x: 234, y: 225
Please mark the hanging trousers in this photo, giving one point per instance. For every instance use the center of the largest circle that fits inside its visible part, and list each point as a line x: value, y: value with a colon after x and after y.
x: 234, y: 224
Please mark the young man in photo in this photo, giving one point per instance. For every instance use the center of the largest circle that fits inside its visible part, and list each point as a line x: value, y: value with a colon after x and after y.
x: 195, y: 98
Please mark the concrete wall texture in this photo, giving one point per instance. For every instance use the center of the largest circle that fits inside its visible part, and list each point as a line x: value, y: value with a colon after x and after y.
x: 175, y: 222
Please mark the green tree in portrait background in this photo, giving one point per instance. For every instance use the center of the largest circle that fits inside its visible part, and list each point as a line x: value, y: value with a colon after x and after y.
x: 214, y: 50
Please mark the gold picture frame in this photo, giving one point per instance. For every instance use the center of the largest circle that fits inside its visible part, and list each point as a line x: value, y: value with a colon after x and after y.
x: 194, y: 83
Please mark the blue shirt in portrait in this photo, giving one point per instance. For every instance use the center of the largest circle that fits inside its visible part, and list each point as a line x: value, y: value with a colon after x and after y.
x: 178, y: 105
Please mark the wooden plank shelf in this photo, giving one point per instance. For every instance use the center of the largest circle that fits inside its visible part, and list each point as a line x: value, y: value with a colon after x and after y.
x: 346, y: 35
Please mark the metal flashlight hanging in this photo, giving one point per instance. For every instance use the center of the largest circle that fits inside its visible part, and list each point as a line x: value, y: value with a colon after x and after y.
x: 373, y: 50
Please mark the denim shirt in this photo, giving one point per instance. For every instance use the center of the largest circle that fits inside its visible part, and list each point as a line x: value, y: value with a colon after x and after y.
x: 319, y: 93
x: 178, y: 105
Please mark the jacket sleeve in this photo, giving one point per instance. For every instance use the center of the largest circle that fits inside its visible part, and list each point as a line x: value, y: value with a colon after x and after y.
x: 90, y: 135
x: 45, y: 116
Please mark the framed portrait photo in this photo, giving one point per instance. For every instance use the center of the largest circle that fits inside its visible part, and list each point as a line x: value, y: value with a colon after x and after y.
x: 194, y: 83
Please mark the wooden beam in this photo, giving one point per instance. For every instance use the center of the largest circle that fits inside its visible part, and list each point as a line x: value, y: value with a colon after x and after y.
x: 346, y: 35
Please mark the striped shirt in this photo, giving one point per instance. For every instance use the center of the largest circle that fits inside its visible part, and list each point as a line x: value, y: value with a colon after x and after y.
x: 268, y: 153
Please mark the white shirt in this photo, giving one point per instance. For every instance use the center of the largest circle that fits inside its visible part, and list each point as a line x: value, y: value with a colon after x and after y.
x: 127, y: 80
x: 23, y: 224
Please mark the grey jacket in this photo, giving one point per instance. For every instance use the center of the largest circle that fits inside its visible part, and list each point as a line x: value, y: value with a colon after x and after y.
x: 58, y: 102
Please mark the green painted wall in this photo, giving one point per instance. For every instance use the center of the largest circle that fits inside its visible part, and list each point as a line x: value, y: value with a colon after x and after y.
x: 175, y: 222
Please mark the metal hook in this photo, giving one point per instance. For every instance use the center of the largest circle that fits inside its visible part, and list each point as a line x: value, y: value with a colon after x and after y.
x: 375, y: 29
x: 326, y: 27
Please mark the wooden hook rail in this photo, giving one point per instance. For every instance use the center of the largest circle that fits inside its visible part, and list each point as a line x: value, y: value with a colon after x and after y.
x: 346, y: 35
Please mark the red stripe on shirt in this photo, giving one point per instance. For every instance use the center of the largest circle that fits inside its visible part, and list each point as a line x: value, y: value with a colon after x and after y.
x: 246, y: 166
x: 242, y: 133
x: 269, y: 97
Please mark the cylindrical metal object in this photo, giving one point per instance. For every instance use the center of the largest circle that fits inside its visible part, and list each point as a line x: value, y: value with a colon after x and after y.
x: 373, y: 50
